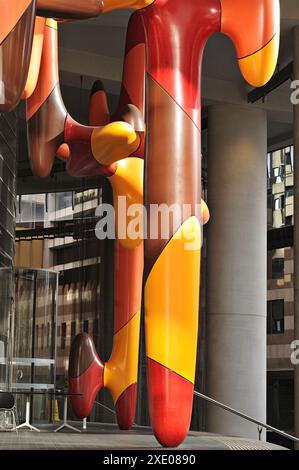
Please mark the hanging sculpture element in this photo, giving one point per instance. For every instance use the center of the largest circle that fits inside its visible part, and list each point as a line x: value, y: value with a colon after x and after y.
x: 165, y: 44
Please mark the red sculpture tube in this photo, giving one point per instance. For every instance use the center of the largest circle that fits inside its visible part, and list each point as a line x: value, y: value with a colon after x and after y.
x: 176, y: 33
x: 119, y: 374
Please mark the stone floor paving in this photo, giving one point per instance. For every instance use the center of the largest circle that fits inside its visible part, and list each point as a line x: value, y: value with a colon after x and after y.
x: 100, y: 437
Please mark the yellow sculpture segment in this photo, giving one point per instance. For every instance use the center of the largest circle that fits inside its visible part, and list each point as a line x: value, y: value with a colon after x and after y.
x: 121, y: 371
x: 110, y: 5
x: 254, y: 28
x: 36, y: 56
x: 258, y: 68
x: 127, y: 182
x: 11, y: 13
x: 114, y: 142
x: 178, y: 263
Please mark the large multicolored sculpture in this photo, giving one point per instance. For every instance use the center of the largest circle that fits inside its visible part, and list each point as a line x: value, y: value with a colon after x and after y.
x: 165, y: 44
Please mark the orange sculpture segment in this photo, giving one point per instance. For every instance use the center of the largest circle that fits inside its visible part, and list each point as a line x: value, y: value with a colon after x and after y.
x: 255, y: 36
x: 16, y: 36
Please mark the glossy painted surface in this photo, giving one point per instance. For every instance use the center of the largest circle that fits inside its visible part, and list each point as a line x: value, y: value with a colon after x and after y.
x: 48, y: 74
x: 75, y: 9
x: 165, y: 44
x: 113, y: 142
x: 45, y: 112
x: 170, y: 428
x: 253, y: 27
x: 258, y: 68
x: 250, y: 25
x: 93, y: 149
x: 125, y: 407
x: 86, y: 374
x: 11, y: 12
x: 99, y: 114
x: 110, y: 5
x: 172, y: 312
x: 36, y: 57
x: 175, y: 44
x: 81, y: 161
x: 127, y: 182
x: 176, y: 34
x: 63, y: 153
x: 83, y: 9
x: 120, y: 372
x: 122, y: 368
x: 16, y: 36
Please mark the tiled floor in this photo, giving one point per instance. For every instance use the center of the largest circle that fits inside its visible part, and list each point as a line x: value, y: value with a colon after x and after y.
x: 109, y: 437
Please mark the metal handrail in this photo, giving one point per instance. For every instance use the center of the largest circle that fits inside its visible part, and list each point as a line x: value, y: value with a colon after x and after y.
x: 259, y: 424
x: 244, y: 416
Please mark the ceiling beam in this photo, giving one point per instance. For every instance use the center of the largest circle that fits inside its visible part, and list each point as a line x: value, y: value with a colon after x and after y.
x: 93, y: 65
x: 289, y: 10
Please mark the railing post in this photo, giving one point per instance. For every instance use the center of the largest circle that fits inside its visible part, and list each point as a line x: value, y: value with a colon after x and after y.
x: 246, y: 417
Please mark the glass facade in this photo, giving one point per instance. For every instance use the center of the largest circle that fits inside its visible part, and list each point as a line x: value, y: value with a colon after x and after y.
x: 86, y: 280
x: 29, y: 345
x: 46, y: 208
x: 280, y: 295
x: 275, y: 317
x: 280, y: 165
x: 8, y: 154
x: 6, y: 340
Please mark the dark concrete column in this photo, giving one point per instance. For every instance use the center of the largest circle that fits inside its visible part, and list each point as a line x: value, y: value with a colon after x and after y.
x: 236, y: 267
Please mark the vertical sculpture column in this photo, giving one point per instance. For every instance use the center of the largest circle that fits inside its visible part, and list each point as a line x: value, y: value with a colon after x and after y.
x: 296, y: 228
x: 236, y: 267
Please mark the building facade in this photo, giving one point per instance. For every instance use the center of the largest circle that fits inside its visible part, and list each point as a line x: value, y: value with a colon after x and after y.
x: 280, y: 298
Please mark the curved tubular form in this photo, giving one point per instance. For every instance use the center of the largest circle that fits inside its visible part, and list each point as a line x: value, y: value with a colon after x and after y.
x: 16, y: 35
x: 69, y: 9
x: 119, y: 374
x: 46, y: 114
x: 93, y: 150
x: 99, y: 114
x: 255, y: 35
x: 36, y: 56
x: 110, y: 5
x: 83, y: 9
x: 176, y: 33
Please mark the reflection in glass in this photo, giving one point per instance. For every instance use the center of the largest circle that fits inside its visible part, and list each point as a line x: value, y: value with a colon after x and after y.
x: 280, y: 184
x: 28, y: 332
